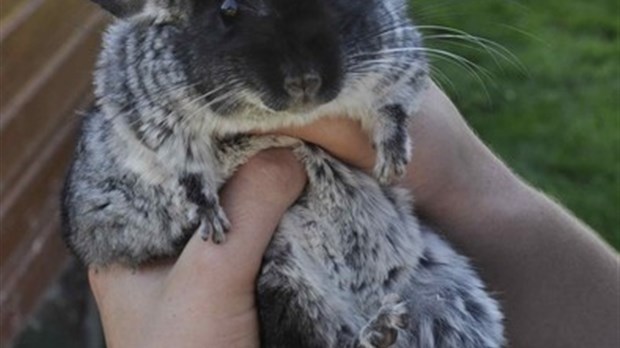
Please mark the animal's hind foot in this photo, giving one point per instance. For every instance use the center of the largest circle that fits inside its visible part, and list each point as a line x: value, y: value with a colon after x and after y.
x: 382, y: 331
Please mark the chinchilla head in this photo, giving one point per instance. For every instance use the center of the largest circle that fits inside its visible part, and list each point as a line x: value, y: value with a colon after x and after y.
x: 233, y: 58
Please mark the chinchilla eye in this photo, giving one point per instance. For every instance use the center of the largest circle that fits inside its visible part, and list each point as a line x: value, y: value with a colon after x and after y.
x: 229, y: 9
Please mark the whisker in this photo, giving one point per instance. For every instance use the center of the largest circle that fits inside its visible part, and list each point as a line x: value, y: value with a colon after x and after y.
x: 385, y: 64
x: 495, y: 49
x: 437, y: 74
x: 381, y: 32
x: 475, y: 48
x: 176, y: 89
x: 211, y: 92
x: 527, y: 33
x: 434, y: 10
x: 160, y: 91
x: 207, y: 105
x: 471, y: 69
x: 425, y: 50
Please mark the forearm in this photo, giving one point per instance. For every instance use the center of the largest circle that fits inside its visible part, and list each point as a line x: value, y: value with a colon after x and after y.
x: 558, y: 282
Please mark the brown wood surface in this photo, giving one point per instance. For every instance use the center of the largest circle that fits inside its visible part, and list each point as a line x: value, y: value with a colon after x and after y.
x: 25, y: 127
x: 47, y: 52
x: 10, y: 9
x: 27, y: 48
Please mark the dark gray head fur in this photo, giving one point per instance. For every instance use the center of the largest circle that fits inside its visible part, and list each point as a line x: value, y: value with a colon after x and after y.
x: 274, y: 58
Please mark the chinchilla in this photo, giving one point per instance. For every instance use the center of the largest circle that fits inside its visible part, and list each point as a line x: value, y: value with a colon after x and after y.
x: 179, y: 83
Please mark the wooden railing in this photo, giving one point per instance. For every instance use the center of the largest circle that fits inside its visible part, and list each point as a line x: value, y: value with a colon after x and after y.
x: 47, y: 50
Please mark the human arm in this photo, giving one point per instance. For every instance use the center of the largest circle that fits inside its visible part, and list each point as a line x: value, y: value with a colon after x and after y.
x: 206, y: 298
x: 558, y: 282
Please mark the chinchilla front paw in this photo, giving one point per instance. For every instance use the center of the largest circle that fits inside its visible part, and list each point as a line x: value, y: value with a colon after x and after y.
x: 207, y: 214
x: 392, y: 143
x: 382, y: 330
x: 213, y: 223
x: 391, y: 165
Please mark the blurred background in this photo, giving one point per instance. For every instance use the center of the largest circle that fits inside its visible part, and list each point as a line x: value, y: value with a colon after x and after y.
x: 538, y: 80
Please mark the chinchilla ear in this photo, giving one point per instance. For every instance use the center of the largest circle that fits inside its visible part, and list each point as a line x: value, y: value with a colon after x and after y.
x: 121, y: 8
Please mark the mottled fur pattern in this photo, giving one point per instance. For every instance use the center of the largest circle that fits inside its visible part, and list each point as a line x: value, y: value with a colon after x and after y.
x: 177, y: 84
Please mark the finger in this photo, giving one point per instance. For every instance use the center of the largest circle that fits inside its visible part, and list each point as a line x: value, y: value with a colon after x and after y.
x: 342, y: 137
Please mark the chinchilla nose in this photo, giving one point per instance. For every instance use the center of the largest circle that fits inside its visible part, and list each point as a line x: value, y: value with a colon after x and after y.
x: 304, y: 86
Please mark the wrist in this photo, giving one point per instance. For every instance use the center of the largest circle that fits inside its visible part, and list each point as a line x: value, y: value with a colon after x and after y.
x: 233, y: 330
x: 453, y: 168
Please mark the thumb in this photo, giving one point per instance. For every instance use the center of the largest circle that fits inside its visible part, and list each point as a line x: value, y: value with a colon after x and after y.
x: 254, y: 200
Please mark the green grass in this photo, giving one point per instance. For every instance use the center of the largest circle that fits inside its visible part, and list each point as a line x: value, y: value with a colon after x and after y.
x: 557, y: 124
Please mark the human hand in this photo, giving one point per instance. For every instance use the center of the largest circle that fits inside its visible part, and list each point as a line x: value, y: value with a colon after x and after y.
x: 447, y: 159
x: 206, y: 297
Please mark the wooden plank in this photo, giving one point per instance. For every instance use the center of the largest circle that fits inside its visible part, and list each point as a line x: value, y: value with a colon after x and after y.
x: 9, y: 9
x: 47, y: 50
x: 39, y: 269
x: 28, y: 267
x: 37, y: 196
x: 26, y: 50
x: 48, y: 103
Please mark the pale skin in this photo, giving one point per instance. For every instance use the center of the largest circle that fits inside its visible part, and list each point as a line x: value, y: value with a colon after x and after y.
x: 558, y: 282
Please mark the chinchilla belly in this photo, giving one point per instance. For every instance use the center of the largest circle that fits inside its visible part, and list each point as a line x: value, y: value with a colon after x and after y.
x: 346, y: 238
x: 346, y: 246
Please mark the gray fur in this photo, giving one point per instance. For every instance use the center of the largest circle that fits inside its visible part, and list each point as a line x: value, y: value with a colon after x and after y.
x: 349, y: 265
